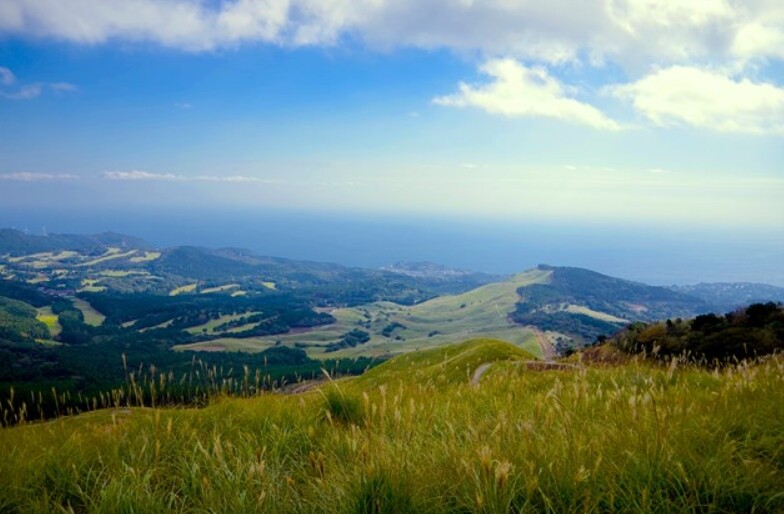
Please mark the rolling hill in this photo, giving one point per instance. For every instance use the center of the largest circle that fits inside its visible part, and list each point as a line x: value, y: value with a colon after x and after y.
x: 418, y: 434
x: 544, y: 308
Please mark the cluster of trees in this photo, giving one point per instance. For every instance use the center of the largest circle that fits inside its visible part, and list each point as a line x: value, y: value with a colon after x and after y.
x: 390, y: 329
x: 606, y: 294
x: 580, y: 326
x: 754, y: 331
x: 349, y: 340
x: 18, y: 322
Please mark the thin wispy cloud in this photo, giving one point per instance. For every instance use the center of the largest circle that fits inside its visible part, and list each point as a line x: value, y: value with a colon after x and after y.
x: 11, y: 90
x: 37, y: 177
x: 6, y: 76
x: 62, y: 87
x: 137, y: 175
x: 27, y: 92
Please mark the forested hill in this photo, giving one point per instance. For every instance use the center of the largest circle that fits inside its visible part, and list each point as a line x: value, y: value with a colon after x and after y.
x: 115, y: 262
x: 584, y: 304
x: 17, y: 243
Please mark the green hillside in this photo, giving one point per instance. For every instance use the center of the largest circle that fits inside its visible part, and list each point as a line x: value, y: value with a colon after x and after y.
x: 395, y: 328
x: 450, y: 363
x: 19, y: 322
x: 630, y: 438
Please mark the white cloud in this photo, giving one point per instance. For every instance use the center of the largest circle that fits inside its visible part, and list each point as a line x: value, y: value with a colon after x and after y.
x: 761, y: 33
x: 36, y: 177
x: 640, y: 36
x: 707, y: 99
x: 518, y: 91
x: 140, y: 175
x: 629, y: 31
x: 137, y: 175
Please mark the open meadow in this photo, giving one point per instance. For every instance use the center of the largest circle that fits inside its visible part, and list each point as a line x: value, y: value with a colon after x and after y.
x: 424, y: 433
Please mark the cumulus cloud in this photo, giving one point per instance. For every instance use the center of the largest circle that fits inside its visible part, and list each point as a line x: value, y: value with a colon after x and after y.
x: 517, y: 90
x: 639, y: 36
x: 552, y: 31
x: 36, y: 177
x: 682, y: 95
x: 137, y: 175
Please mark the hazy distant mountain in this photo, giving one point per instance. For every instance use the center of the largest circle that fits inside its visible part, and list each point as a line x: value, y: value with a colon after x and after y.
x: 726, y: 296
x: 16, y: 243
x: 115, y: 262
x: 432, y: 270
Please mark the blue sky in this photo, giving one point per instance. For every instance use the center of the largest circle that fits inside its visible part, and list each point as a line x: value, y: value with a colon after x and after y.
x: 627, y: 112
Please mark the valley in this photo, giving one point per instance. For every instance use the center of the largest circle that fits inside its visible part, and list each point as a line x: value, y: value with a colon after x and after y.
x: 80, y: 311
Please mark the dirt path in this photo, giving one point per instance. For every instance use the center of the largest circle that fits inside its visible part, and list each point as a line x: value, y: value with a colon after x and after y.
x: 548, y: 350
x: 479, y: 372
x: 300, y: 387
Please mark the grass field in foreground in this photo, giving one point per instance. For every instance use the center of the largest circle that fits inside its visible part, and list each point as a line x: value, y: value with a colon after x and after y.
x: 632, y: 438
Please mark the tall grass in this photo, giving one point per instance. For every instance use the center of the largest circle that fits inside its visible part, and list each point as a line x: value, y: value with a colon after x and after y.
x: 632, y: 438
x: 147, y: 386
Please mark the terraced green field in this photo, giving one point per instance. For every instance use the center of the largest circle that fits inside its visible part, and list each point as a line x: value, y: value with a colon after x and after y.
x: 91, y: 316
x: 228, y: 344
x: 183, y: 289
x: 50, y: 319
x: 479, y: 312
x: 210, y: 326
x: 219, y: 289
x: 112, y: 254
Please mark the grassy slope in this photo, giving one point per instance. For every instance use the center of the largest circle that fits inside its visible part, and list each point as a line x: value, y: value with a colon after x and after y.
x: 451, y: 363
x: 481, y: 311
x: 557, y: 441
x: 50, y: 319
x: 91, y: 316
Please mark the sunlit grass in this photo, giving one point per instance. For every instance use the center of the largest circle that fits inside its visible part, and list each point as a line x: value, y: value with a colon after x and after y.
x: 91, y: 316
x: 50, y: 319
x: 189, y: 288
x: 632, y: 438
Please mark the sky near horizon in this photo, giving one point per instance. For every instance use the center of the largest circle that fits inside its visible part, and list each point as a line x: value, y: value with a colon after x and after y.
x: 647, y: 112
